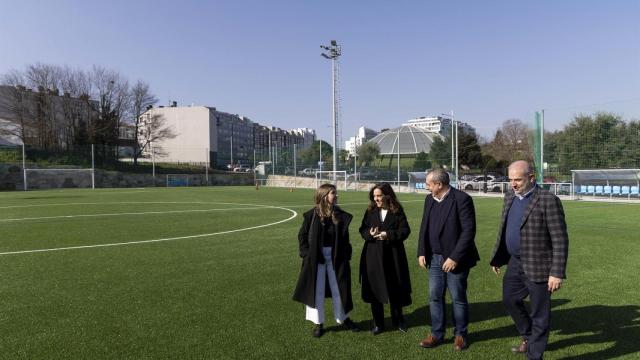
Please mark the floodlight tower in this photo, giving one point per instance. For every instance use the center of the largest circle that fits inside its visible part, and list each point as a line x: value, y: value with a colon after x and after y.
x: 332, y: 53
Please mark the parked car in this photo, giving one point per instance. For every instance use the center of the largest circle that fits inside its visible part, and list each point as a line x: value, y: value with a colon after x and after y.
x: 242, y: 168
x: 307, y: 172
x: 478, y: 183
x: 467, y: 177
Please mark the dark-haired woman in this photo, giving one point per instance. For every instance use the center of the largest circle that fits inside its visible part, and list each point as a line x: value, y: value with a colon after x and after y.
x: 325, y: 251
x: 384, y: 271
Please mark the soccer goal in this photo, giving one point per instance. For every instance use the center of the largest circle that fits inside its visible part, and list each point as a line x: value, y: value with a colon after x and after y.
x: 339, y: 180
x: 59, y: 178
x: 176, y: 180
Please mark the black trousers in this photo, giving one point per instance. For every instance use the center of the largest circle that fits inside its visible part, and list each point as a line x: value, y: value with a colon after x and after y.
x: 377, y: 310
x: 532, y: 325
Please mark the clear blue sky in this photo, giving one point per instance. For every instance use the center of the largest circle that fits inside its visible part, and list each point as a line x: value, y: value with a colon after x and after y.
x: 488, y: 61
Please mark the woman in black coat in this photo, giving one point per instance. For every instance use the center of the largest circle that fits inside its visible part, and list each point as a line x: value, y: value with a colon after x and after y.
x: 325, y: 251
x: 384, y: 271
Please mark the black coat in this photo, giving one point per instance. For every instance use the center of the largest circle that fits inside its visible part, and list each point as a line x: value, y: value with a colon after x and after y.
x: 384, y: 271
x: 457, y: 230
x: 309, y: 238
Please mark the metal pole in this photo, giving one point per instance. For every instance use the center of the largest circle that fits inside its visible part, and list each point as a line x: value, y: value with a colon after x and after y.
x: 269, y: 144
x: 452, y: 119
x: 355, y: 170
x: 24, y: 167
x: 335, y: 118
x: 231, y: 156
x: 320, y: 161
x: 542, y: 148
x: 452, y: 146
x: 398, y: 175
x: 93, y: 169
x: 153, y: 163
x: 295, y: 166
x: 206, y: 167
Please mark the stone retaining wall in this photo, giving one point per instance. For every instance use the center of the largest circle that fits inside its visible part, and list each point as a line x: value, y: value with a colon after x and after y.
x: 11, y: 178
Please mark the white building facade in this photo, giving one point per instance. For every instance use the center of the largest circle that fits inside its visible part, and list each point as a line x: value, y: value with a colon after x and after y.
x: 354, y: 142
x: 223, y: 140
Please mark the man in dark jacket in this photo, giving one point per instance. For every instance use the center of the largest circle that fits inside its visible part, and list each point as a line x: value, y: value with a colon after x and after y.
x: 533, y: 241
x: 446, y: 246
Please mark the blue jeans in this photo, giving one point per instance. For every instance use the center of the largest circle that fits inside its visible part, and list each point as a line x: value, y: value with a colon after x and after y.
x: 439, y: 282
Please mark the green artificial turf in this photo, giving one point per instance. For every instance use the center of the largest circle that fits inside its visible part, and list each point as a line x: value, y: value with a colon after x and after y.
x: 228, y: 294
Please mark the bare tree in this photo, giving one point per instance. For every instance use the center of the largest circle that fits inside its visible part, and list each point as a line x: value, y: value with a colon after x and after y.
x: 510, y: 141
x: 76, y: 110
x: 45, y: 78
x: 43, y: 75
x: 152, y: 129
x: 111, y: 92
x: 74, y: 82
x: 15, y: 119
x: 141, y: 100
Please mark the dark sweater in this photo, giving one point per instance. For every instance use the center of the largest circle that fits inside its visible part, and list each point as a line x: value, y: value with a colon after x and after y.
x: 514, y: 220
x: 435, y: 218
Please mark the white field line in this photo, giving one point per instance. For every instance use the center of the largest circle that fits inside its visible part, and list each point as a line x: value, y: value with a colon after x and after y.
x: 128, y: 203
x: 157, y: 240
x: 172, y: 202
x: 127, y: 214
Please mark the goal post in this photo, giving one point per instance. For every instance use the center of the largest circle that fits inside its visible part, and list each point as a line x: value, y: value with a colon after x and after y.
x: 59, y: 178
x: 340, y: 179
x: 177, y: 180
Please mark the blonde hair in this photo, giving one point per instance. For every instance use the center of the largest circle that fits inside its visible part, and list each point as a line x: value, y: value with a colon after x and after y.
x: 323, y: 208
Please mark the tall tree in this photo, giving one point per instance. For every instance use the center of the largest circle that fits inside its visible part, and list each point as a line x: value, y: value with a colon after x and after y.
x: 422, y: 162
x: 440, y: 152
x: 111, y: 92
x: 14, y: 108
x: 367, y: 153
x: 141, y: 100
x: 595, y: 141
x: 510, y: 142
x: 469, y: 152
x: 310, y: 155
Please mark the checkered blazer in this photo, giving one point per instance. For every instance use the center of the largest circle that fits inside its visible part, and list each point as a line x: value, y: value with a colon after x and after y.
x: 544, y: 242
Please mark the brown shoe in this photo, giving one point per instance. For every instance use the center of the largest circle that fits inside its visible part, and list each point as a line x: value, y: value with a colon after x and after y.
x: 520, y: 349
x: 430, y: 342
x: 459, y: 343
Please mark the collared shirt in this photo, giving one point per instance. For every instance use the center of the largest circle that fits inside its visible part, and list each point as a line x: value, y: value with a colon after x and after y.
x: 443, y: 196
x: 528, y: 192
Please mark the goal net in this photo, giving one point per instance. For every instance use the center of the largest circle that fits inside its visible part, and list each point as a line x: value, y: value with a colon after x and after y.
x: 337, y: 178
x: 176, y: 180
x: 58, y: 178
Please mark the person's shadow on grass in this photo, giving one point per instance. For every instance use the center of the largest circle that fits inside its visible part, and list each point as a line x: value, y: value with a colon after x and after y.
x: 616, y: 328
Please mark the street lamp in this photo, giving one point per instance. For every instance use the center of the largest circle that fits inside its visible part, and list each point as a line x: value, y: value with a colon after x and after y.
x: 332, y: 53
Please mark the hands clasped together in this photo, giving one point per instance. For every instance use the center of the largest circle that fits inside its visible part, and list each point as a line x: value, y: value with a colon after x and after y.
x: 377, y: 234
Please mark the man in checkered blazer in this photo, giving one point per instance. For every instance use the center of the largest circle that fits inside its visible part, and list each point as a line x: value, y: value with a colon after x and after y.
x: 533, y: 242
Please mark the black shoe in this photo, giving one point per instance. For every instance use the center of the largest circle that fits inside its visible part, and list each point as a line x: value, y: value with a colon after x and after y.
x: 521, y: 348
x: 377, y: 330
x: 402, y: 327
x: 350, y: 325
x: 318, y: 330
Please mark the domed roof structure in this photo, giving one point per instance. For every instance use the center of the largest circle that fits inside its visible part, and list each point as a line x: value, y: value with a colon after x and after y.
x: 413, y: 140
